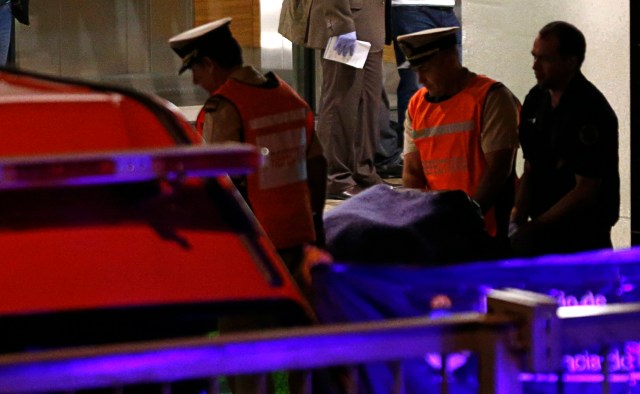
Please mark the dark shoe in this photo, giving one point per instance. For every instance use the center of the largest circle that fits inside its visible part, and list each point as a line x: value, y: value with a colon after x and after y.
x: 346, y: 193
x: 390, y: 171
x: 392, y: 184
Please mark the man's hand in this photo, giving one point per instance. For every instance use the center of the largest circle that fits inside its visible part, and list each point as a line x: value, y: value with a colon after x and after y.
x: 524, y: 237
x: 346, y: 44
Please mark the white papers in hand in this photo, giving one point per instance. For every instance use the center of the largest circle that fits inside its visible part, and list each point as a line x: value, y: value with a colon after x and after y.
x: 356, y: 60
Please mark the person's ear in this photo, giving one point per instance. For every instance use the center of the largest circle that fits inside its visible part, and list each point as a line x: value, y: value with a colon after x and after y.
x: 208, y: 63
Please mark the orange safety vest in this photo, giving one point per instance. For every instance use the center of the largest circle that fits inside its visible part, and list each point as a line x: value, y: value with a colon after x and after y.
x: 447, y: 135
x: 280, y: 123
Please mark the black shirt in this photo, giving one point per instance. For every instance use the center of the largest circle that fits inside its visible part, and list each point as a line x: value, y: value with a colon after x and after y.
x: 578, y: 137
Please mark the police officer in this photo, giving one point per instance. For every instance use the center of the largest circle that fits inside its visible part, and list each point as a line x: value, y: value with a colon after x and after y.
x: 287, y: 194
x: 461, y: 128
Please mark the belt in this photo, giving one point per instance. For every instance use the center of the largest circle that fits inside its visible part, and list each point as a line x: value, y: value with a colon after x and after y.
x: 440, y: 8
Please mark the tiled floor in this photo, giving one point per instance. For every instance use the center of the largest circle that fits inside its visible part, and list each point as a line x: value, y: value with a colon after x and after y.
x: 331, y: 203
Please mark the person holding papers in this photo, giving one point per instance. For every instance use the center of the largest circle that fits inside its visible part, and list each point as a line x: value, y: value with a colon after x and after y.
x: 348, y: 120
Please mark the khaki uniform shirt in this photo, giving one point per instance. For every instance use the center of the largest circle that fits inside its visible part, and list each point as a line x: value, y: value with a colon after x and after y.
x: 312, y: 22
x: 222, y: 122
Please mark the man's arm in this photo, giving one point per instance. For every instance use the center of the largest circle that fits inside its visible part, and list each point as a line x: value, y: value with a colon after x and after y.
x: 582, y: 196
x: 499, y: 141
x: 222, y: 121
x: 520, y: 211
x: 498, y: 170
x: 338, y: 17
x: 412, y: 174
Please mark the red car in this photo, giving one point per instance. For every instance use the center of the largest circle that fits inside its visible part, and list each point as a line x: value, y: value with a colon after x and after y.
x: 117, y: 224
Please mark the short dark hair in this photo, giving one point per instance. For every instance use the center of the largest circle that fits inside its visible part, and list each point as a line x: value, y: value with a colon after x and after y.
x: 225, y: 52
x: 571, y: 41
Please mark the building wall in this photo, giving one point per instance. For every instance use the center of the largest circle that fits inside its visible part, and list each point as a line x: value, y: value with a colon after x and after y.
x: 245, y: 14
x: 125, y: 41
x: 101, y: 37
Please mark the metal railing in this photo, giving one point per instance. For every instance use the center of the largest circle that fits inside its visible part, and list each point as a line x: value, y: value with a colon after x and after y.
x: 519, y: 326
x: 285, y: 349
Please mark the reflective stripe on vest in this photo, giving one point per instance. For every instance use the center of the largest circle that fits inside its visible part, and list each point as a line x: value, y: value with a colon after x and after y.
x: 448, y: 137
x: 278, y: 193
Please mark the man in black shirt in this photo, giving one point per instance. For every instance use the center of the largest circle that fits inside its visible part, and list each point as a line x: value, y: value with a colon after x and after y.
x: 569, y: 194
